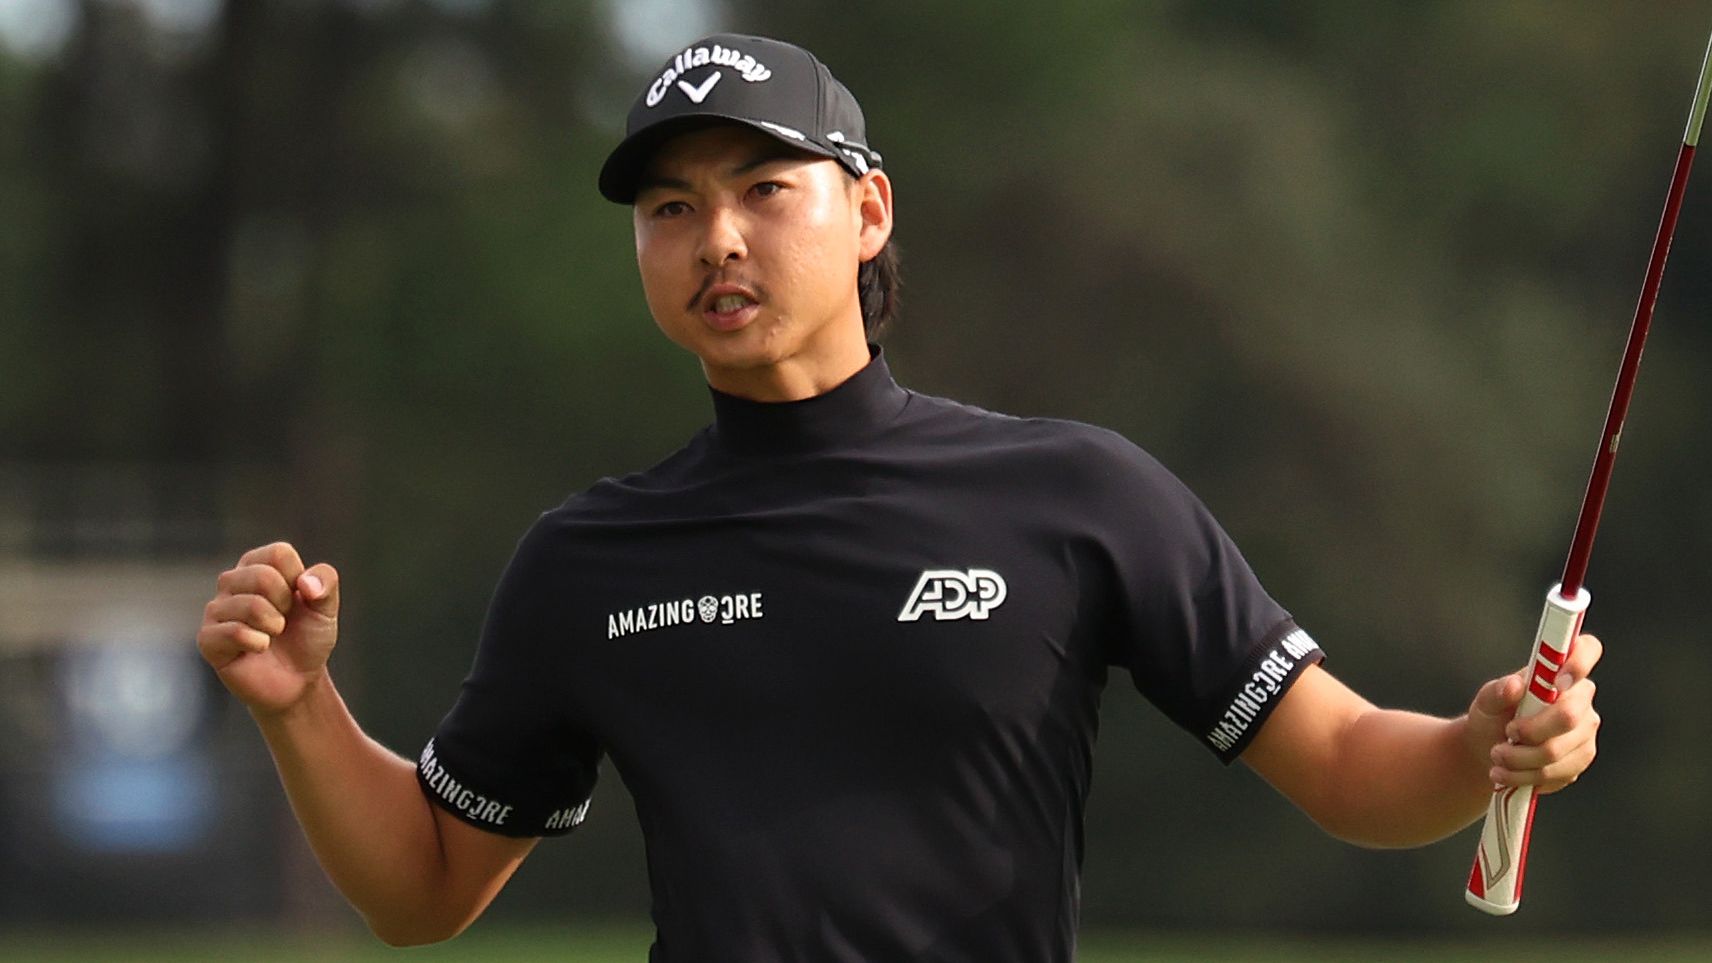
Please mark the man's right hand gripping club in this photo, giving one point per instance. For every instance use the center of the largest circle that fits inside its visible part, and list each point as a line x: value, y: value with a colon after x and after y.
x: 271, y: 626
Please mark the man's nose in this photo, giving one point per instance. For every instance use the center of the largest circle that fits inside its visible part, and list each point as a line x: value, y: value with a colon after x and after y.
x: 723, y: 239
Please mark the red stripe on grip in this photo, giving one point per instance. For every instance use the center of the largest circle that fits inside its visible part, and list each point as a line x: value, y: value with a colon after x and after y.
x: 1542, y: 691
x: 1550, y: 656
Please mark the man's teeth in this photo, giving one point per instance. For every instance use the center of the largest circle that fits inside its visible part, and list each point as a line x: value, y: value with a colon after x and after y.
x: 727, y: 303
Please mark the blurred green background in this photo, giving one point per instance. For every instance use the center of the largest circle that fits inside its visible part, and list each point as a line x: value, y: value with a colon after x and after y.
x: 335, y: 271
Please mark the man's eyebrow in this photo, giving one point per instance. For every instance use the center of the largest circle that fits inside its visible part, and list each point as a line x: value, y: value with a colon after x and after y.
x: 656, y: 181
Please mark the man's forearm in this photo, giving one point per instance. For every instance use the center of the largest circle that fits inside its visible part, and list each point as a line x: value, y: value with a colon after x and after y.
x: 414, y: 871
x: 1404, y: 779
x: 1375, y: 777
x: 364, y: 816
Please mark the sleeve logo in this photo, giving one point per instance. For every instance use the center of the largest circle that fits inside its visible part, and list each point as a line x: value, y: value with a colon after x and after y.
x: 458, y: 796
x: 950, y: 594
x: 1265, y: 685
x: 569, y: 818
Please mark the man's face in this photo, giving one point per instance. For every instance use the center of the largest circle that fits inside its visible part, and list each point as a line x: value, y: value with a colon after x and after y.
x: 748, y: 249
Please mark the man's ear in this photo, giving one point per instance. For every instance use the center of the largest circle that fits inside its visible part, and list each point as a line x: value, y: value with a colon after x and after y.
x: 874, y: 206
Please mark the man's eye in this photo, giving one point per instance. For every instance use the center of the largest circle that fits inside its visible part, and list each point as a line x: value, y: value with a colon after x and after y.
x: 671, y: 209
x: 767, y: 188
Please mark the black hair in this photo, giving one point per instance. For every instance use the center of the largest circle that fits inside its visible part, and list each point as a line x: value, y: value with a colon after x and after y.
x: 877, y: 284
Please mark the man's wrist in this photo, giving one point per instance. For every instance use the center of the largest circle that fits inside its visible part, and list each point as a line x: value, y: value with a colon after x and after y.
x: 1476, y: 742
x: 317, y: 687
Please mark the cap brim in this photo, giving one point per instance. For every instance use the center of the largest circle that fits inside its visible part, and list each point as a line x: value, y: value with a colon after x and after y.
x: 622, y: 172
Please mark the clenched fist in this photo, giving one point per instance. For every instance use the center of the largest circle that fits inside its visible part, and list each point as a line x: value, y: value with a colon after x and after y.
x: 271, y: 626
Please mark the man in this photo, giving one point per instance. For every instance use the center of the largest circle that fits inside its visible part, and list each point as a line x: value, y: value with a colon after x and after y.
x: 846, y: 647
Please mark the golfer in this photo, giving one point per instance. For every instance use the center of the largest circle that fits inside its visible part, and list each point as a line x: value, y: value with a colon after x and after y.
x: 846, y: 647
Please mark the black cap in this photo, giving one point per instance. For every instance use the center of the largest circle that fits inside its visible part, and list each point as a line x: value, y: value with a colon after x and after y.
x: 775, y: 87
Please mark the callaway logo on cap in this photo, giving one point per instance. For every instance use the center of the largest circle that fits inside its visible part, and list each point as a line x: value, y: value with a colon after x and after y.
x: 773, y: 86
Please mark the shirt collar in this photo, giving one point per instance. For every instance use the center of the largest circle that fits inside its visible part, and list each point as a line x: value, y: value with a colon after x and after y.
x: 867, y: 400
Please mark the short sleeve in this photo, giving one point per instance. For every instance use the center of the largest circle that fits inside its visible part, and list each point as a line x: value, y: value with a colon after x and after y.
x: 1186, y: 615
x: 508, y: 758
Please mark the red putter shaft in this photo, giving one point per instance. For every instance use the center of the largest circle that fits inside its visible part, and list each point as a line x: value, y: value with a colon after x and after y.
x: 1581, y: 546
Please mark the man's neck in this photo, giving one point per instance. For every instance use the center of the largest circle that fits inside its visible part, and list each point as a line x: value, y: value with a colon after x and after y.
x: 814, y: 370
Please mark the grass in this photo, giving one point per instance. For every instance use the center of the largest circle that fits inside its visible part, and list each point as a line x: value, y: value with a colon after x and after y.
x: 629, y: 944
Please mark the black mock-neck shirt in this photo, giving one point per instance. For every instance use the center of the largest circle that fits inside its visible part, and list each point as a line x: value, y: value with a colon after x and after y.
x: 847, y: 654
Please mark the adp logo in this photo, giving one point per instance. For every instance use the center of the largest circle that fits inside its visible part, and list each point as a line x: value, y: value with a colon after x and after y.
x: 950, y: 594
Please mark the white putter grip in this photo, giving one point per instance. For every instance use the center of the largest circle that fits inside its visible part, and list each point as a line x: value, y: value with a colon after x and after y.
x: 1495, y: 884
